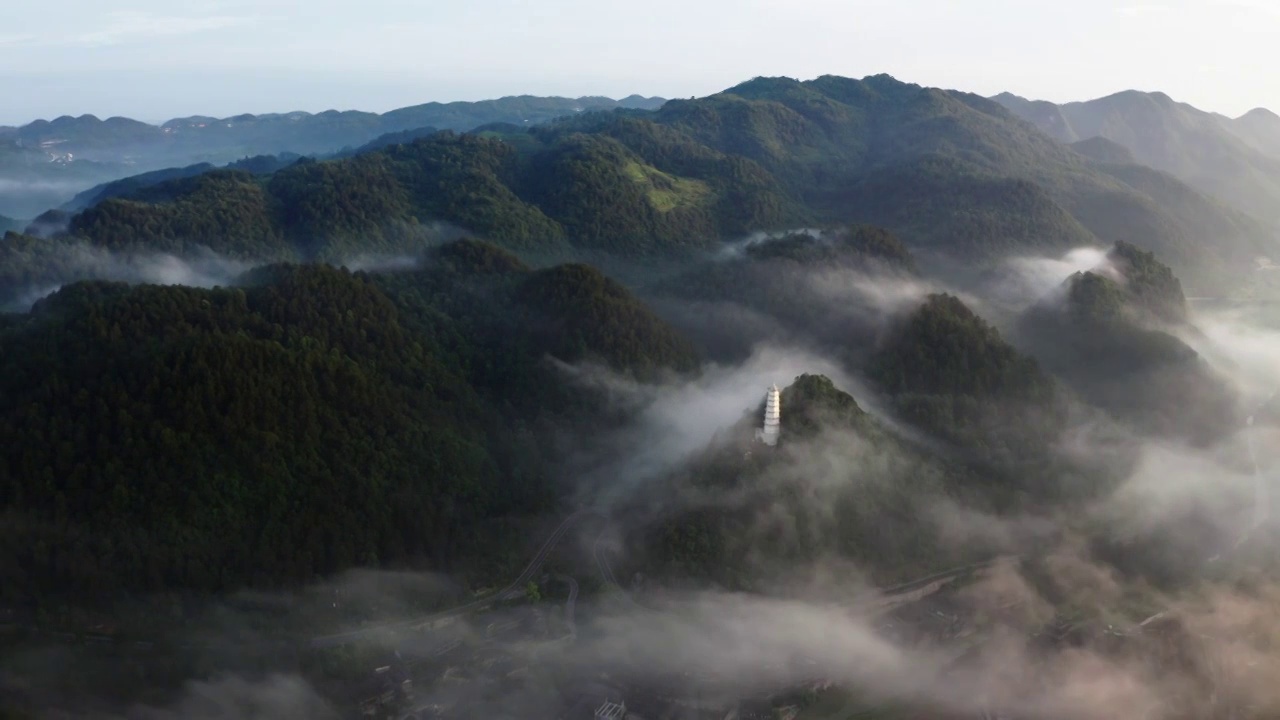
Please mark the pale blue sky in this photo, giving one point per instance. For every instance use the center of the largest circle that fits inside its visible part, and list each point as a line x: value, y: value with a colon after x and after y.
x: 154, y: 60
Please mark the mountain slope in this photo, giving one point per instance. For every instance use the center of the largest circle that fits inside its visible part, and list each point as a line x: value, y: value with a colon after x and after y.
x: 1260, y: 128
x: 947, y: 371
x: 307, y: 420
x: 124, y: 187
x: 1104, y: 150
x: 1107, y: 333
x: 589, y: 188
x: 1198, y: 147
x: 827, y: 138
x: 781, y: 509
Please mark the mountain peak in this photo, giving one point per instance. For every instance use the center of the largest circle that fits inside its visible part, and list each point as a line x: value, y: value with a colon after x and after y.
x: 1129, y: 97
x: 1260, y: 114
x: 1008, y: 97
x: 762, y: 86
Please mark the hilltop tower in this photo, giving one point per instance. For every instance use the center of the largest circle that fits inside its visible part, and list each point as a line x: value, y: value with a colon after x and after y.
x: 772, y: 418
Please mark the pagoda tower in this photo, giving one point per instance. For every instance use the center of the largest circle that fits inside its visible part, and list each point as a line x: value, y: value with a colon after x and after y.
x: 772, y: 418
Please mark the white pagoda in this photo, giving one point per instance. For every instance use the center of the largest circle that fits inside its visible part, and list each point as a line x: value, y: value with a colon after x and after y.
x: 772, y: 418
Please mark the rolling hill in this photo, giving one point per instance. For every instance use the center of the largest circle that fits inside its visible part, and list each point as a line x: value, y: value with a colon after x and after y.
x: 305, y: 420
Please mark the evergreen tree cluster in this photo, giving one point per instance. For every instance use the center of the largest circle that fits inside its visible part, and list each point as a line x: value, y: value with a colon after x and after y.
x: 306, y: 420
x: 1109, y: 338
x: 949, y: 372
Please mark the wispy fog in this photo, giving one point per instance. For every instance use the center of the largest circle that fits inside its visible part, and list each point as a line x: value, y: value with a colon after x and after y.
x: 677, y: 419
x: 82, y: 261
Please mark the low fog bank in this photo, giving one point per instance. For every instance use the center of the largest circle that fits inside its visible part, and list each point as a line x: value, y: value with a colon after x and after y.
x: 78, y: 261
x: 1061, y: 637
x: 81, y: 261
x: 26, y: 197
x: 287, y: 697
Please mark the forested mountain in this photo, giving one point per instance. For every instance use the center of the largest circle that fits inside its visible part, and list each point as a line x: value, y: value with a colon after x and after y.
x: 459, y: 343
x: 49, y: 161
x: 947, y: 371
x: 592, y: 189
x: 1107, y: 332
x: 1236, y: 161
x: 778, y: 281
x: 991, y: 183
x: 259, y: 165
x: 789, y: 511
x: 954, y: 175
x: 842, y: 485
x: 307, y: 420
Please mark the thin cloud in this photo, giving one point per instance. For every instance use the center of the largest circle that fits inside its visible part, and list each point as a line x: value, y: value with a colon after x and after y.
x: 1143, y: 10
x: 127, y: 26
x: 1262, y: 7
x: 17, y: 39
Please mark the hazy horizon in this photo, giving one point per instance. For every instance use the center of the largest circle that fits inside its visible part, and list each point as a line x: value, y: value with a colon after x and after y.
x: 144, y: 60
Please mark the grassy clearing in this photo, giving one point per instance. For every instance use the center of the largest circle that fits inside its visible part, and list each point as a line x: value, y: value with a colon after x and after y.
x: 667, y: 192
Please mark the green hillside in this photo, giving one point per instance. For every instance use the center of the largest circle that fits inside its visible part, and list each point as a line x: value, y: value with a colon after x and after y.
x: 788, y: 511
x: 853, y: 149
x: 564, y: 191
x: 308, y: 420
x: 1107, y: 337
x: 950, y: 373
x: 951, y: 173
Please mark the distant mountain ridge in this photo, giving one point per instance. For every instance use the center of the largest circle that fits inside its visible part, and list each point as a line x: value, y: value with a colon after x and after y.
x: 1235, y: 160
x: 300, y: 132
x: 43, y: 164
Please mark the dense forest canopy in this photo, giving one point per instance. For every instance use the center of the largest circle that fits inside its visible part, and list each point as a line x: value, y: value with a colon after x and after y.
x: 307, y: 420
x: 948, y: 371
x: 1110, y: 335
